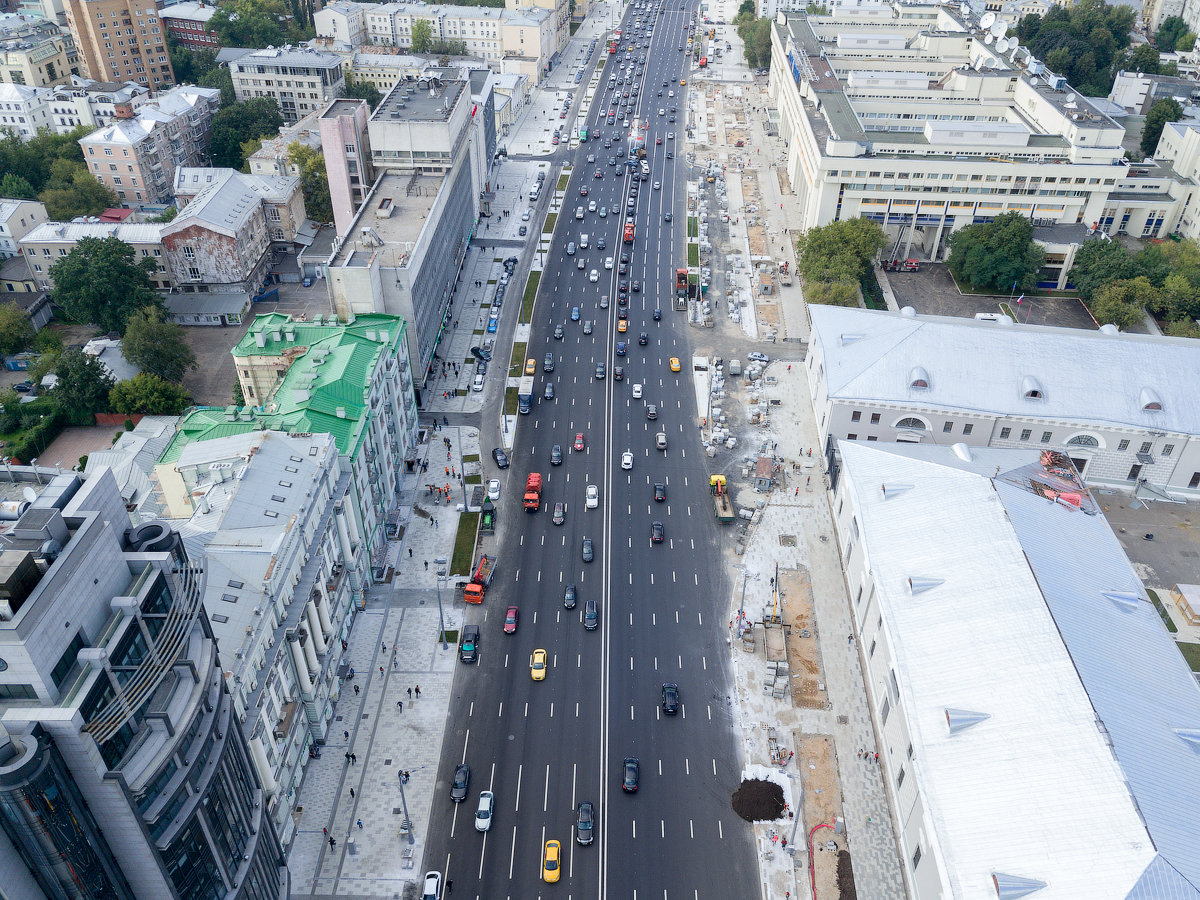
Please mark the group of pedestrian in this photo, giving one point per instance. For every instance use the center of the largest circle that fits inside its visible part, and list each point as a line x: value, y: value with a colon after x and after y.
x: 351, y: 758
x: 867, y: 755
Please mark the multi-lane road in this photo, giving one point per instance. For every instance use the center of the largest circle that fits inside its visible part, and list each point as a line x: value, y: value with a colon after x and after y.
x: 543, y: 747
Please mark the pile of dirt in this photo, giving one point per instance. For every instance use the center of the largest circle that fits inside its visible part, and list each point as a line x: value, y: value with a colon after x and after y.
x: 845, y: 876
x: 758, y: 801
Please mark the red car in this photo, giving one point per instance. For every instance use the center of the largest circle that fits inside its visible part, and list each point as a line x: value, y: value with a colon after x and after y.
x: 658, y: 140
x: 579, y: 440
x: 510, y: 620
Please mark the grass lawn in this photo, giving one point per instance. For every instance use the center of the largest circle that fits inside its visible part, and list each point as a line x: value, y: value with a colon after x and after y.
x: 510, y: 401
x: 548, y: 228
x: 531, y: 288
x: 693, y: 254
x: 470, y: 457
x: 516, y: 365
x: 1191, y: 653
x: 464, y: 544
x: 474, y: 479
x: 563, y: 180
x: 1163, y: 614
x: 693, y: 227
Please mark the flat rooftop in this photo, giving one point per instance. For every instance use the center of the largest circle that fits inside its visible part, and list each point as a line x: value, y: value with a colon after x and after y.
x: 339, y: 108
x: 395, y: 212
x: 423, y: 100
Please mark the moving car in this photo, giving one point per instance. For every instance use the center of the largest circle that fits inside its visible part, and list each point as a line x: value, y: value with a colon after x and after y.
x: 660, y: 492
x: 551, y: 861
x: 674, y: 364
x: 585, y: 823
x: 570, y: 595
x: 556, y: 455
x: 560, y: 513
x: 537, y: 665
x: 593, y: 276
x: 637, y: 391
x: 574, y: 313
x: 510, y: 620
x: 462, y: 780
x: 483, y: 812
x: 631, y: 776
x: 643, y: 339
x: 627, y: 460
x: 608, y: 263
x: 657, y: 532
x: 587, y: 326
x: 589, y: 552
x: 600, y: 371
x: 660, y: 441
x: 622, y: 325
x: 548, y: 393
x: 468, y: 651
x: 652, y: 412
x: 500, y: 457
x: 559, y: 332
x: 591, y: 615
x: 593, y: 496
x: 758, y: 357
x: 579, y: 444
x: 670, y: 698
x: 620, y: 348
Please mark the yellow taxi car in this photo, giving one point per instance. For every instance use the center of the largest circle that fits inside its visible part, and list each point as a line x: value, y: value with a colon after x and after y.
x: 622, y: 325
x: 674, y: 364
x: 537, y: 665
x: 552, y: 862
x: 683, y: 81
x: 531, y: 366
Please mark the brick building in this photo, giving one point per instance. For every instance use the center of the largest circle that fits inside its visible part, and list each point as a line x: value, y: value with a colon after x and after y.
x: 188, y: 24
x: 121, y: 40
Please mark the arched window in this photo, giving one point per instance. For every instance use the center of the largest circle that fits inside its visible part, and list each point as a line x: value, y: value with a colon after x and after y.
x: 911, y: 424
x: 1151, y: 401
x: 918, y: 379
x: 1084, y: 440
x: 1031, y: 388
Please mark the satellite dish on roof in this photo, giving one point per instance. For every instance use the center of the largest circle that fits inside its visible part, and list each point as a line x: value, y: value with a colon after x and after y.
x: 1071, y: 98
x: 1002, y: 45
x: 987, y: 21
x: 999, y: 29
x: 987, y: 39
x: 965, y: 9
x: 29, y: 494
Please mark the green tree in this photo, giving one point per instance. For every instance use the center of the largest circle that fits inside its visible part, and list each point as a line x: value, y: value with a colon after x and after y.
x: 148, y: 394
x: 843, y: 250
x: 1122, y: 303
x: 1179, y: 299
x: 255, y: 24
x: 102, y: 282
x: 1185, y: 328
x: 1143, y: 58
x: 997, y: 255
x: 1098, y: 262
x: 1163, y: 111
x: 831, y: 293
x: 756, y: 38
x: 71, y: 190
x: 14, y: 187
x: 257, y: 117
x: 422, y: 36
x: 1186, y: 42
x: 1169, y: 33
x: 314, y: 181
x: 747, y: 8
x: 83, y: 386
x: 165, y: 216
x: 16, y: 331
x: 156, y: 345
x: 362, y: 90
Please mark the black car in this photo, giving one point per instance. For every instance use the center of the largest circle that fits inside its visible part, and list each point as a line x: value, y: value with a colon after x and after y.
x: 600, y: 371
x: 666, y: 217
x: 468, y: 650
x: 501, y: 458
x: 657, y: 532
x: 670, y: 698
x: 548, y: 394
x: 588, y: 551
x: 556, y: 455
x: 462, y: 780
x: 629, y: 784
x: 657, y: 315
x: 548, y: 363
x: 481, y: 353
x: 618, y: 373
x: 643, y: 339
x: 585, y: 823
x: 660, y: 493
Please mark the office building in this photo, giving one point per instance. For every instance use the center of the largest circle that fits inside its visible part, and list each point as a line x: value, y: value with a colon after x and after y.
x: 121, y: 40
x: 300, y: 80
x: 270, y: 514
x: 1034, y: 718
x: 281, y: 197
x: 123, y: 770
x: 188, y: 23
x: 1114, y: 403
x: 905, y: 115
x: 24, y: 110
x: 344, y: 124
x: 351, y: 380
x: 404, y: 249
x: 137, y: 157
x: 34, y: 52
x: 48, y: 242
x: 272, y: 157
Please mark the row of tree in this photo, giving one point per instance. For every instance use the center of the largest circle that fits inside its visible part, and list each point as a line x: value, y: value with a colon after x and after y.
x: 755, y: 35
x: 1087, y: 41
x: 50, y: 167
x: 834, y: 259
x: 1160, y: 278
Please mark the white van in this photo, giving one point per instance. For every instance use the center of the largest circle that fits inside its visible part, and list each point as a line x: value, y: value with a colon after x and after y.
x: 477, y: 384
x: 583, y: 241
x: 535, y: 193
x: 579, y: 212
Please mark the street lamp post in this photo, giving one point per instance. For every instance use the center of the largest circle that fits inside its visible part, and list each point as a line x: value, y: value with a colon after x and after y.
x: 440, y: 562
x: 404, y: 805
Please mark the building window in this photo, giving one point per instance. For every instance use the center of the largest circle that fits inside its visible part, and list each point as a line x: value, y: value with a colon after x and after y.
x: 967, y: 429
x: 1004, y: 433
x: 1026, y: 434
x: 856, y: 416
x: 1145, y: 447
x: 189, y: 253
x: 874, y: 418
x: 193, y: 273
x: 916, y: 857
x: 912, y: 424
x: 1168, y: 449
x: 887, y: 708
x: 1046, y: 435
x: 852, y: 437
x: 947, y: 427
x: 1122, y: 446
x: 900, y: 778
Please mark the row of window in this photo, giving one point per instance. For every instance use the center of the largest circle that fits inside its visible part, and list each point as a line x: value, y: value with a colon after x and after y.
x: 952, y: 176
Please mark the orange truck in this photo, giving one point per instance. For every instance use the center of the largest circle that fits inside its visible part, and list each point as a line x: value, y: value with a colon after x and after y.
x: 474, y: 589
x: 533, y: 492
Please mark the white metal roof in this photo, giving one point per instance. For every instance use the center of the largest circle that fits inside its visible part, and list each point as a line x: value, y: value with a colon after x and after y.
x: 1042, y: 694
x: 981, y: 366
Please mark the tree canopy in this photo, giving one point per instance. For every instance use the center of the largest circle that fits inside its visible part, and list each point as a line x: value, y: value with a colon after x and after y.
x: 1082, y: 42
x: 422, y: 36
x: 314, y: 181
x: 832, y: 259
x: 156, y: 345
x: 50, y: 166
x: 102, y: 282
x: 1162, y: 278
x: 1000, y: 255
x: 756, y: 40
x: 362, y: 90
x: 1121, y: 303
x: 83, y: 386
x: 256, y: 24
x: 16, y: 331
x: 257, y: 117
x: 148, y: 394
x: 1163, y: 111
x: 1169, y: 32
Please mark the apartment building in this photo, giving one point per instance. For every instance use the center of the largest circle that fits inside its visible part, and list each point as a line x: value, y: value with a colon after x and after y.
x: 271, y: 515
x: 882, y: 376
x: 1017, y: 672
x: 35, y: 52
x: 300, y: 80
x: 137, y: 157
x: 272, y: 157
x: 47, y: 242
x: 282, y: 197
x: 24, y: 110
x: 404, y: 249
x: 121, y: 40
x: 352, y: 381
x: 350, y: 173
x: 17, y: 219
x: 560, y: 16
x: 188, y: 23
x: 94, y: 103
x: 342, y: 21
x: 123, y: 770
x: 905, y: 115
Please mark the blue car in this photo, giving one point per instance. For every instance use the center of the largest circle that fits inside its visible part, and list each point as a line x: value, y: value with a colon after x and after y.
x: 620, y: 348
x: 493, y: 324
x: 574, y: 313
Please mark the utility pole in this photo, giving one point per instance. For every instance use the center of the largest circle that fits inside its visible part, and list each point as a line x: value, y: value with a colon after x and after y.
x: 440, y: 562
x: 407, y: 824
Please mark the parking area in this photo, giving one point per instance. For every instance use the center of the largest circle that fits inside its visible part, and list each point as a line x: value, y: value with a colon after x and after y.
x: 1172, y: 555
x: 933, y: 292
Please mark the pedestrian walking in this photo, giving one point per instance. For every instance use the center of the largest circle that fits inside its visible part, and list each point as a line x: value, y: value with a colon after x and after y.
x: 849, y: 639
x: 354, y: 759
x: 860, y: 752
x: 426, y: 565
x: 406, y: 776
x: 435, y: 524
x: 410, y: 548
x: 359, y: 823
x: 450, y: 881
x: 395, y: 664
x: 419, y: 697
x: 347, y: 757
x: 410, y: 693
x: 351, y: 793
x: 400, y: 705
x: 332, y: 843
x: 381, y: 670
x: 325, y: 831
x: 876, y: 757
x: 346, y: 735
x: 356, y: 691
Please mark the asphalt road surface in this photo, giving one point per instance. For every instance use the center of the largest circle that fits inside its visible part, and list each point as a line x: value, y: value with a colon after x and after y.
x: 543, y: 747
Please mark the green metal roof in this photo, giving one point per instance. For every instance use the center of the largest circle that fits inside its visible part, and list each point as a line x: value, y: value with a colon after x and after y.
x: 324, y: 390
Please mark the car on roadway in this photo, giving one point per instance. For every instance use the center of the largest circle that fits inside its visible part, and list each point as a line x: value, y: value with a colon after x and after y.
x: 657, y: 533
x: 593, y: 276
x: 494, y: 489
x: 560, y: 513
x: 556, y: 455
x: 670, y: 135
x: 674, y: 364
x: 591, y: 615
x: 600, y: 371
x: 500, y: 457
x: 559, y: 332
x: 460, y: 783
x: 631, y: 775
x: 643, y: 339
x: 547, y: 364
x: 493, y: 325
x: 581, y: 263
x: 604, y: 301
x: 574, y: 313
x: 551, y: 862
x: 593, y: 496
x: 570, y: 595
x: 537, y: 665
x: 599, y: 174
x: 651, y: 412
x: 591, y: 158
x: 468, y: 650
x: 579, y: 442
x: 585, y: 823
x: 587, y: 326
x: 658, y: 185
x: 620, y: 348
x: 583, y: 192
x: 608, y: 262
x: 588, y: 550
x: 637, y: 391
x: 548, y: 393
x: 758, y: 357
x: 666, y: 217
x: 483, y: 812
x: 627, y: 459
x: 623, y: 325
x: 636, y: 287
x: 658, y: 140
x: 510, y: 620
x: 431, y: 888
x: 670, y: 698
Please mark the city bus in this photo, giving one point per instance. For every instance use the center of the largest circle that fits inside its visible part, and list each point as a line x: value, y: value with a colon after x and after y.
x: 628, y: 237
x: 612, y: 48
x: 582, y: 135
